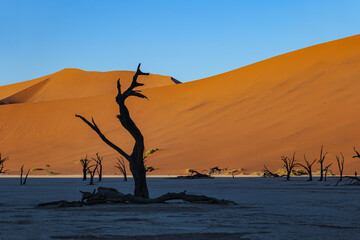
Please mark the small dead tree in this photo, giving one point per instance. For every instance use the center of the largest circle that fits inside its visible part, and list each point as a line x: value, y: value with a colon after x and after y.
x: 92, y: 170
x: 268, y: 173
x: 340, y: 165
x: 136, y: 158
x: 192, y: 171
x: 357, y: 153
x: 288, y: 164
x: 216, y: 170
x: 236, y: 171
x: 321, y: 161
x: 23, y: 182
x: 307, y: 167
x: 84, y: 163
x: 2, y: 164
x: 98, y: 161
x: 326, y: 170
x: 120, y: 164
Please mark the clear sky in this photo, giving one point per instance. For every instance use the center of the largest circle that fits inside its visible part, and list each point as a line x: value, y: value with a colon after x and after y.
x: 188, y: 40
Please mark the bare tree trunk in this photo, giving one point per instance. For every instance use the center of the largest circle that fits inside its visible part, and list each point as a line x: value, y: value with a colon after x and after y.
x: 139, y: 176
x: 340, y: 165
x: 136, y: 159
x: 321, y: 161
x: 23, y: 182
x: 325, y: 175
x: 321, y: 171
x: 100, y: 172
x: 137, y: 167
x: 92, y: 173
x: 26, y: 176
x: 21, y: 174
x: 84, y: 173
x: 99, y: 160
x: 122, y: 167
x: 289, y: 164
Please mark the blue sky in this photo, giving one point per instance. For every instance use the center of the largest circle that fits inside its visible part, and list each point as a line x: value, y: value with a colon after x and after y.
x: 188, y: 40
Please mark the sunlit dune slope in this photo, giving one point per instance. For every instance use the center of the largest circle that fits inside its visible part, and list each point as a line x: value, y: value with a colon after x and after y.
x: 244, y: 118
x: 74, y: 83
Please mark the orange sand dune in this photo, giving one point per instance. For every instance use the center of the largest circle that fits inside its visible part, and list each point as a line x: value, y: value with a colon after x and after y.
x: 244, y: 118
x: 74, y: 83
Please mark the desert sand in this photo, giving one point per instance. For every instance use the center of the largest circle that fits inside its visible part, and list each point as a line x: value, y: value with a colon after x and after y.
x: 243, y: 118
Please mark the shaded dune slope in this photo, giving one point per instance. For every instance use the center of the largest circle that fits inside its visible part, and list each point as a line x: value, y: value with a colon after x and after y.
x: 243, y: 118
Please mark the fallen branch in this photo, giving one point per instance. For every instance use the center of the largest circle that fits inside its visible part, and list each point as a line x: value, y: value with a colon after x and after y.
x: 268, y: 173
x: 350, y: 181
x: 112, y: 196
x: 195, y: 176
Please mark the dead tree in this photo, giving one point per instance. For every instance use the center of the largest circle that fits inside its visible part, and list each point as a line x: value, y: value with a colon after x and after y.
x: 289, y: 164
x: 326, y: 170
x: 98, y: 161
x: 194, y: 175
x: 216, y: 170
x: 307, y: 167
x: 112, y: 196
x: 136, y: 158
x: 121, y: 166
x: 340, y: 165
x: 23, y: 182
x: 92, y: 170
x: 84, y: 163
x: 268, y: 173
x: 321, y: 161
x: 192, y: 171
x: 236, y: 171
x: 2, y: 164
x: 357, y: 153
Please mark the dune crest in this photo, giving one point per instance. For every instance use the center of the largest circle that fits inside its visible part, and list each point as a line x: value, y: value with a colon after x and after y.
x: 74, y: 83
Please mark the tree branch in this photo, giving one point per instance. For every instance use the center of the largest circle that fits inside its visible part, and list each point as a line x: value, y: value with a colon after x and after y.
x: 102, y: 136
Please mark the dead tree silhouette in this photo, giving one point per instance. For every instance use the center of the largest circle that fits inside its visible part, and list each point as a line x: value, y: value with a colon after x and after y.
x: 2, y: 164
x: 340, y: 165
x: 326, y: 169
x: 307, y: 167
x: 289, y: 164
x: 98, y: 161
x: 321, y: 161
x: 136, y: 158
x: 92, y: 170
x: 120, y: 164
x: 84, y: 163
x: 357, y: 153
x: 23, y: 182
x: 268, y: 173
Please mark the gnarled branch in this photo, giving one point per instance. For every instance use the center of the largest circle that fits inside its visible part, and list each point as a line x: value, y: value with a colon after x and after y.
x: 102, y: 136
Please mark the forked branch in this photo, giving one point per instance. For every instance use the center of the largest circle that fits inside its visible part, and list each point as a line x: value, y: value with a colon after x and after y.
x: 308, y: 167
x: 357, y: 153
x: 321, y: 161
x: 289, y: 164
x: 93, y: 125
